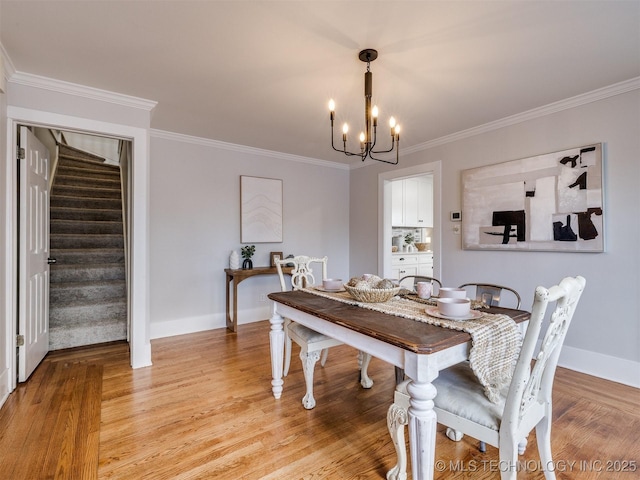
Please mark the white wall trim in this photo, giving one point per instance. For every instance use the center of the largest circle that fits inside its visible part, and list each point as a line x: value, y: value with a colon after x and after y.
x: 4, y: 386
x: 599, y: 365
x: 205, y: 142
x: 566, y: 104
x: 202, y: 323
x: 384, y: 213
x: 139, y: 334
x: 84, y: 91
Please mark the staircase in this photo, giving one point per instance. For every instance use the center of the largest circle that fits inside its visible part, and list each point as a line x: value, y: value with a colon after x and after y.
x: 87, y: 291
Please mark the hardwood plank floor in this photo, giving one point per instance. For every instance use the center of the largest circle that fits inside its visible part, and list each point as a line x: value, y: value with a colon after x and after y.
x: 205, y: 410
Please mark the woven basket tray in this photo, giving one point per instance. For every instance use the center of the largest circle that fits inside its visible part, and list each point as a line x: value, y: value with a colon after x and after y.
x: 373, y: 295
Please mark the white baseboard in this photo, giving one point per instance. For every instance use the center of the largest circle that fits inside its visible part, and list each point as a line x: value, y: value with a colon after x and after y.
x: 599, y: 365
x: 4, y: 386
x: 184, y: 326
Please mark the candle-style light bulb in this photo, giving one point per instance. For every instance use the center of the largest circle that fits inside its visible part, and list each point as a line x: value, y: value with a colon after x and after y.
x: 397, y: 131
x: 332, y: 105
x: 374, y: 112
x: 361, y: 137
x: 392, y: 123
x: 345, y: 129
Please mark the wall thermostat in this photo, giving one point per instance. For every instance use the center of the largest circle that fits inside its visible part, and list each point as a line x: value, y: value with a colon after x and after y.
x: 456, y: 216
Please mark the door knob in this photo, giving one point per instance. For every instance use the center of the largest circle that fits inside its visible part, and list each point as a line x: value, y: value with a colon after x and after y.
x: 51, y: 260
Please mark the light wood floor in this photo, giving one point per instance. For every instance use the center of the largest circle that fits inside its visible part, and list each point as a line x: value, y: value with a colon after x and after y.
x: 205, y: 410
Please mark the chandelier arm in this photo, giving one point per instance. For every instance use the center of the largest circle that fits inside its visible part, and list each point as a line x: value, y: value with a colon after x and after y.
x: 375, y: 137
x: 344, y: 150
x: 384, y: 161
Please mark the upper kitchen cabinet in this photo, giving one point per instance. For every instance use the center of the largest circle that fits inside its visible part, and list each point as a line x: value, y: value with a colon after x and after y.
x: 412, y: 202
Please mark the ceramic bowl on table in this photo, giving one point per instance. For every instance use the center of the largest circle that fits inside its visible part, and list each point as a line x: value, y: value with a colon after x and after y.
x: 449, y: 292
x: 454, y: 307
x: 332, y: 284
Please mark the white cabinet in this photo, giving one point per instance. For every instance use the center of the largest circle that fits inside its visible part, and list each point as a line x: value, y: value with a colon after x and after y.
x: 412, y: 202
x: 403, y: 264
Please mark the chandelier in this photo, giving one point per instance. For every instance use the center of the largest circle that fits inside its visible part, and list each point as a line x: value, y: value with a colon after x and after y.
x: 368, y: 137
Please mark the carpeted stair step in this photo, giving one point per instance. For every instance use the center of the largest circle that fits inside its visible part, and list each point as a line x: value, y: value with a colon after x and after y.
x: 67, y: 256
x: 98, y: 331
x: 86, y: 273
x: 63, y: 240
x: 85, y: 192
x: 94, y: 214
x: 82, y: 181
x: 72, y: 315
x: 71, y: 201
x: 87, y: 172
x: 81, y: 227
x: 79, y: 162
x: 86, y: 293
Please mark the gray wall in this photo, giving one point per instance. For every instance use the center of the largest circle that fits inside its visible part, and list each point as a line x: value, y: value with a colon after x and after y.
x: 195, y: 224
x: 605, y: 335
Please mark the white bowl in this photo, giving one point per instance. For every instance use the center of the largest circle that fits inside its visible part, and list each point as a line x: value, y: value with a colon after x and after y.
x: 454, y: 307
x: 448, y: 292
x: 332, y: 284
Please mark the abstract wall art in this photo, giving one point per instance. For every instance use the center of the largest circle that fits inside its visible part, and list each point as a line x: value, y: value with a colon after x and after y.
x: 260, y: 210
x: 551, y: 202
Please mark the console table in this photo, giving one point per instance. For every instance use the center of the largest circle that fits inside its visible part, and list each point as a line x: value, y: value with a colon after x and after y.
x: 237, y: 276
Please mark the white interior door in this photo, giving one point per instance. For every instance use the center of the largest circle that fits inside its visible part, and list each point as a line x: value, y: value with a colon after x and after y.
x: 33, y: 305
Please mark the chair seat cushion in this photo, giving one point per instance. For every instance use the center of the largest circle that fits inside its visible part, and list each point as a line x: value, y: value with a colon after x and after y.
x: 459, y: 392
x: 305, y: 333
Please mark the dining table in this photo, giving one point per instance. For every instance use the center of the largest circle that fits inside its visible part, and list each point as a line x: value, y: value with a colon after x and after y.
x: 420, y: 349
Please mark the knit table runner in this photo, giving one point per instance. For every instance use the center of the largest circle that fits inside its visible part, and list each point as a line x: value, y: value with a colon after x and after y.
x: 495, y: 338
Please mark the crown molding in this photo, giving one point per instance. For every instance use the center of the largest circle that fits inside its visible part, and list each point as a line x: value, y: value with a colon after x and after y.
x: 559, y: 106
x: 60, y: 86
x: 206, y: 142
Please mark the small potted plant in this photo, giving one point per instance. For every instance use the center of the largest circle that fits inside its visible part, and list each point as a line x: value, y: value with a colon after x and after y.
x: 247, y: 252
x: 408, y: 238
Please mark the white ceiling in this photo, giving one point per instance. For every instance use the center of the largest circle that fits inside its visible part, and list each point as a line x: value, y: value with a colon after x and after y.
x: 260, y: 73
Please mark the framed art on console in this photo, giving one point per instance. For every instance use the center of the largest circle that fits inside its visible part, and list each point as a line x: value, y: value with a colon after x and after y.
x: 260, y: 210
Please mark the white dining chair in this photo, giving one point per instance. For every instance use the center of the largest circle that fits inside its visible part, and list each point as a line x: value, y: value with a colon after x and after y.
x: 314, y: 346
x: 460, y: 402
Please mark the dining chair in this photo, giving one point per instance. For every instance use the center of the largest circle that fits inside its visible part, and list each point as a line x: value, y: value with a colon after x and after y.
x: 461, y: 405
x: 420, y: 278
x: 314, y: 346
x: 491, y: 294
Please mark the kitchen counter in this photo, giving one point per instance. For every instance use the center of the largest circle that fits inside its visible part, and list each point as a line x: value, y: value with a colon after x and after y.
x: 411, y: 263
x: 424, y: 252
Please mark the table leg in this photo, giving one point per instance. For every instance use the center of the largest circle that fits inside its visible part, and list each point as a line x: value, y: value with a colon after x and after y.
x: 276, y: 340
x: 230, y: 324
x: 422, y: 429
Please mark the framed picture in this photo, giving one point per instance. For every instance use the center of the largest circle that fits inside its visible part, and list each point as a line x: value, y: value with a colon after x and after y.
x: 273, y: 256
x: 551, y: 202
x: 260, y: 210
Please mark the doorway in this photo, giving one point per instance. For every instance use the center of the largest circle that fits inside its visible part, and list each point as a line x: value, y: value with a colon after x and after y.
x: 385, y: 195
x: 139, y: 341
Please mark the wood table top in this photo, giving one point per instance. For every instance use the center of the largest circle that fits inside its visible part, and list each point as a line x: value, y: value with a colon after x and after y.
x: 412, y: 335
